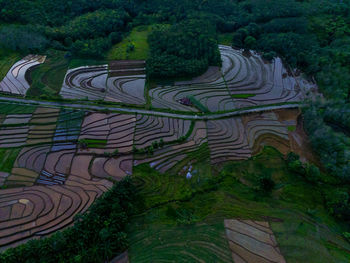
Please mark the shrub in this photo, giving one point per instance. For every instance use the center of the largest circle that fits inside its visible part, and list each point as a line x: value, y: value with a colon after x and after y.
x: 266, y: 184
x: 346, y: 235
x: 337, y: 203
x: 313, y: 173
x: 91, y: 47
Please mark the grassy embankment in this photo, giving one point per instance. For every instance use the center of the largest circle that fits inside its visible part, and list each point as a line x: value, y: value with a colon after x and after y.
x: 138, y: 39
x: 183, y: 219
x: 7, y: 59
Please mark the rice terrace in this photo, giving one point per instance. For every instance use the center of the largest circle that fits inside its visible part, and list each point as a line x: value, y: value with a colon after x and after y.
x: 164, y: 151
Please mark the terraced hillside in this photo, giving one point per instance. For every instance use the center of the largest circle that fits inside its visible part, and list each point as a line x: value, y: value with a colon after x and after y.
x: 244, y: 80
x: 120, y: 81
x: 55, y: 174
x: 15, y: 82
x: 169, y: 155
x: 56, y: 161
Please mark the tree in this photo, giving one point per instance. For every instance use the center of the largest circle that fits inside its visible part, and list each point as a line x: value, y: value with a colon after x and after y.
x: 184, y: 49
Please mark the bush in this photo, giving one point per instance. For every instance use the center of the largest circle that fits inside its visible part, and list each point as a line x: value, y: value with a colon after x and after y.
x: 91, y: 48
x: 297, y: 167
x: 266, y: 184
x: 337, y: 203
x: 22, y: 38
x: 313, y: 173
x: 346, y: 235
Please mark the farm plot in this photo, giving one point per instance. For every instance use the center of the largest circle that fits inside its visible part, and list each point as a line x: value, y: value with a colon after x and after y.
x: 227, y: 140
x: 56, y: 180
x: 239, y: 138
x: 126, y: 82
x: 252, y: 241
x: 28, y: 165
x: 151, y: 129
x: 121, y: 81
x: 199, y: 242
x: 15, y: 82
x: 106, y: 133
x: 14, y: 130
x: 61, y: 153
x: 38, y: 210
x: 209, y: 89
x: 169, y: 155
x: 110, y: 136
x: 262, y: 83
x: 42, y: 125
x: 265, y: 129
x: 88, y: 82
x: 18, y: 130
x: 68, y: 126
x: 242, y: 81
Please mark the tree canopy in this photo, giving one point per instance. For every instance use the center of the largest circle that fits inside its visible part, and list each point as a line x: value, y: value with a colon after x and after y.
x: 183, y: 49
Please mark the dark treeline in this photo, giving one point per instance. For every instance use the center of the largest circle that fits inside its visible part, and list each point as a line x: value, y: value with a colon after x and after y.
x: 183, y: 49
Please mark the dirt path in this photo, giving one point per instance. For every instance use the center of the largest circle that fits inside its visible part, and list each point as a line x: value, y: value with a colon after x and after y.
x: 150, y: 112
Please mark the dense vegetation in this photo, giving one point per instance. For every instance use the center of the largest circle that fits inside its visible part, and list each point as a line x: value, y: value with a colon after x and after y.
x: 182, y: 219
x: 184, y: 49
x: 96, y: 236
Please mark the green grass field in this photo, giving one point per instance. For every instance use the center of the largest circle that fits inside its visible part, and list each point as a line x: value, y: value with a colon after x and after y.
x: 9, y: 108
x: 48, y: 77
x: 7, y: 59
x: 242, y: 96
x: 137, y: 38
x: 7, y: 158
x: 182, y: 219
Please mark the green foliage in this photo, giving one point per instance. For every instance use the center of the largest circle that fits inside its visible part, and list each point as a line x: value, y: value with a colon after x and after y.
x: 13, y: 108
x: 7, y: 59
x: 91, y: 48
x: 97, y: 235
x: 174, y: 213
x: 331, y: 146
x: 309, y: 171
x: 347, y: 236
x: 337, y: 203
x: 48, y: 77
x: 22, y: 38
x: 198, y: 104
x: 138, y: 38
x: 94, y: 24
x: 8, y: 158
x: 92, y: 143
x: 266, y: 184
x: 184, y: 49
x: 250, y: 42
